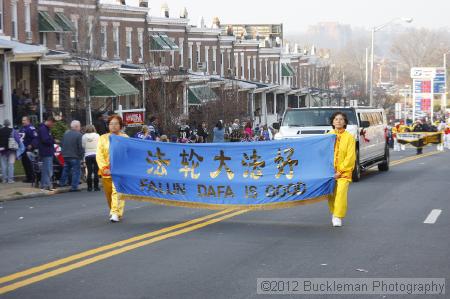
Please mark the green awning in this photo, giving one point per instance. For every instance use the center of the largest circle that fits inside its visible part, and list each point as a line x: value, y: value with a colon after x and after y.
x: 64, y: 22
x: 158, y: 44
x: 169, y: 42
x: 47, y: 24
x: 111, y: 84
x: 199, y: 94
x: 291, y: 68
x: 286, y: 70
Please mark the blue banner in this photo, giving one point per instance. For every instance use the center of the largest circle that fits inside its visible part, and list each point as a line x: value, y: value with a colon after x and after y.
x: 264, y: 175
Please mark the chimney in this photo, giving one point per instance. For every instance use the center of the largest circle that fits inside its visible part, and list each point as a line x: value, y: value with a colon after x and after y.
x: 216, y: 23
x: 201, y: 23
x: 164, y: 10
x: 184, y: 13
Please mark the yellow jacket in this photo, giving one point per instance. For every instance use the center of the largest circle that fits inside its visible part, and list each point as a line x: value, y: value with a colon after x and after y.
x: 102, y: 155
x: 344, y: 153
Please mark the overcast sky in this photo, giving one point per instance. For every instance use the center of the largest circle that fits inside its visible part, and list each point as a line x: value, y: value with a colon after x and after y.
x: 296, y: 15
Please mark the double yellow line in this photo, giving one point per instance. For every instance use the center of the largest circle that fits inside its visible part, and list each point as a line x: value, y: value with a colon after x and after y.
x: 88, y: 257
x: 409, y: 159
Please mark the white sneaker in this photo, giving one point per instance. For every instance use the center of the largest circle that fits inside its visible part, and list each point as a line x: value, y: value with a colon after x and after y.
x: 337, y: 222
x: 114, y: 218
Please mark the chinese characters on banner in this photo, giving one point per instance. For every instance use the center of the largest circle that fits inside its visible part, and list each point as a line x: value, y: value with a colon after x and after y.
x: 258, y: 174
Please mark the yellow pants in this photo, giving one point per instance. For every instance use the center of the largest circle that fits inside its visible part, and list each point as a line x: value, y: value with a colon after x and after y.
x: 116, y: 205
x: 337, y: 202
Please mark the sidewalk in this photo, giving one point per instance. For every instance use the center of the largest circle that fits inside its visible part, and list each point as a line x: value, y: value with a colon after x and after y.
x: 19, y: 190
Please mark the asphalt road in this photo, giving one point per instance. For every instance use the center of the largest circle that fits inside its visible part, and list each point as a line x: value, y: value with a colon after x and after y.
x: 384, y: 235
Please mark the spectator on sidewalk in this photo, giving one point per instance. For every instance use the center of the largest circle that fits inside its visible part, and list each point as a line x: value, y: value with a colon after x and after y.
x: 218, y: 132
x: 9, y: 144
x: 100, y: 124
x: 144, y: 134
x: 72, y: 152
x: 202, y: 131
x: 89, y: 142
x: 28, y: 134
x: 45, y: 145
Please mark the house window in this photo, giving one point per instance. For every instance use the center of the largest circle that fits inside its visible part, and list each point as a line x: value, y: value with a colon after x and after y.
x: 1, y: 16
x: 75, y: 33
x: 14, y: 33
x: 141, y: 45
x: 103, y: 40
x: 116, y: 42
x: 213, y: 66
x: 181, y: 46
x: 59, y: 39
x: 91, y: 40
x: 43, y: 38
x: 28, y: 21
x: 55, y: 93
x: 72, y: 91
x: 128, y: 42
x: 197, y: 53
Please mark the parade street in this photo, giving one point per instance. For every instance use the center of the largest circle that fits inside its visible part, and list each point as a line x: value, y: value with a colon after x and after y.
x: 64, y: 246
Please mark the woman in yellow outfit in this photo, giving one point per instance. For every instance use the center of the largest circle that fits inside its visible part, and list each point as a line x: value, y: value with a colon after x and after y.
x: 116, y: 206
x: 344, y: 162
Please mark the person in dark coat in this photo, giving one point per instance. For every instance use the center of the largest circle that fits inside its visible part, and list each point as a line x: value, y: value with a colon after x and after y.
x: 45, y: 145
x: 28, y: 134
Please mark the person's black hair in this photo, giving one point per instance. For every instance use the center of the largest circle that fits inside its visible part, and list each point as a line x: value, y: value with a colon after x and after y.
x: 219, y: 125
x: 333, y: 116
x: 50, y: 118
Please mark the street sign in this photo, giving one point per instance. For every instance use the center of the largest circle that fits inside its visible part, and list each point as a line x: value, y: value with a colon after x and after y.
x: 439, y: 81
x: 423, y: 72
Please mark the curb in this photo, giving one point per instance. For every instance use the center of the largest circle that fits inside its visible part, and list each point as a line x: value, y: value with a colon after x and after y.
x: 39, y: 194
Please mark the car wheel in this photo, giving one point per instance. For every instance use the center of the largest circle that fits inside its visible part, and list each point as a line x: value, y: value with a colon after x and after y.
x: 356, y: 175
x: 384, y: 166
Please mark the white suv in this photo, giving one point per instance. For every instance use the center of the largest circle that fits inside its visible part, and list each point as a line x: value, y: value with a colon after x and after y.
x: 367, y: 125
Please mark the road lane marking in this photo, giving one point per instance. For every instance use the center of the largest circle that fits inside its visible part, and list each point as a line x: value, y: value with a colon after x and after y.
x: 433, y: 216
x: 83, y: 263
x: 107, y: 247
x: 401, y: 161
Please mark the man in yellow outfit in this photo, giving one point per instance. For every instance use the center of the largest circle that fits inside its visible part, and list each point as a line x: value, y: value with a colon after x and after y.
x: 116, y: 206
x: 344, y: 162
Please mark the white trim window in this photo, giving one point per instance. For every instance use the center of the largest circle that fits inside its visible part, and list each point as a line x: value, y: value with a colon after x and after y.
x: 59, y: 39
x: 27, y: 12
x: 116, y: 42
x: 128, y: 44
x: 190, y: 55
x: 55, y: 93
x: 141, y: 45
x: 14, y: 33
x: 197, y: 53
x: 214, y: 60
x: 104, y: 41
x: 91, y: 40
x: 75, y: 33
x: 181, y: 46
x: 1, y: 16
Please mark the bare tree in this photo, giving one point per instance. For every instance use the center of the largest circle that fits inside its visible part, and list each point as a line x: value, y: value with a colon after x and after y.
x: 421, y: 47
x: 86, y: 49
x: 164, y: 96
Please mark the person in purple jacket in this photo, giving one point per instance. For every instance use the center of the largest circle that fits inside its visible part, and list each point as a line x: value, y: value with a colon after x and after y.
x: 45, y: 145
